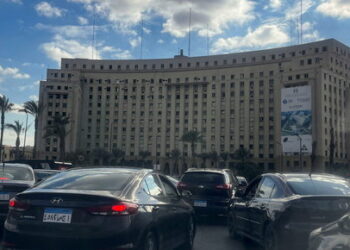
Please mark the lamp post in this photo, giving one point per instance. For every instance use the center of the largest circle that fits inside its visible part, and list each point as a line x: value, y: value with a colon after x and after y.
x: 281, y: 154
x: 300, y: 151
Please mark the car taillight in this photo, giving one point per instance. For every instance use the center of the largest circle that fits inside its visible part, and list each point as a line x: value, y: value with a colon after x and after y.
x: 181, y: 185
x: 62, y: 168
x: 122, y: 208
x: 18, y: 205
x: 224, y: 186
x: 4, y: 178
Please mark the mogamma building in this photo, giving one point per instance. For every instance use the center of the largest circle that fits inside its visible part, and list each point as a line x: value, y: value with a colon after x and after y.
x: 234, y: 100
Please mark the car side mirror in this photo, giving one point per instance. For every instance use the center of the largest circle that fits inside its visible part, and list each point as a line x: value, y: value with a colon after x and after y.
x: 344, y: 224
x: 186, y: 194
x: 239, y: 193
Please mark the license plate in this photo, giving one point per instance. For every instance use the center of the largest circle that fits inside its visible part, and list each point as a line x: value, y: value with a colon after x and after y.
x: 57, y: 215
x: 200, y: 203
x: 4, y: 197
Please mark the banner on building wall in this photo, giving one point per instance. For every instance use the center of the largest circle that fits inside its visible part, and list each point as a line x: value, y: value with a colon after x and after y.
x: 296, y: 119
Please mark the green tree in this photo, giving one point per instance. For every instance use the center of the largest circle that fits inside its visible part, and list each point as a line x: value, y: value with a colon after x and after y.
x: 192, y: 137
x: 214, y: 157
x: 117, y: 155
x: 225, y: 156
x: 58, y: 129
x: 102, y: 155
x: 5, y: 106
x: 78, y: 158
x: 204, y: 156
x: 175, y: 156
x: 144, y: 156
x: 245, y: 166
x: 17, y: 127
x: 33, y: 108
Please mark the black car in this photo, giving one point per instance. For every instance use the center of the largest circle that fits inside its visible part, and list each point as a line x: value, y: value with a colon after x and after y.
x: 14, y: 178
x: 332, y: 236
x: 100, y: 208
x: 211, y: 189
x: 284, y: 208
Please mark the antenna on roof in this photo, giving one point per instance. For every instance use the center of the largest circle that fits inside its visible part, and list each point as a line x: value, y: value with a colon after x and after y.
x: 189, y: 33
x: 207, y: 40
x: 93, y: 34
x: 141, y: 43
x: 301, y: 21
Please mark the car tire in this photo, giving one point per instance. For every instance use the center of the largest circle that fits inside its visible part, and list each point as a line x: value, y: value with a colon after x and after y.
x: 231, y: 226
x: 191, y: 230
x: 270, y: 241
x: 149, y: 242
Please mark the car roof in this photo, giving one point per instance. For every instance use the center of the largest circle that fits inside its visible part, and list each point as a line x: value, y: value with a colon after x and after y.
x: 22, y: 165
x: 286, y: 176
x: 210, y: 170
x: 112, y: 169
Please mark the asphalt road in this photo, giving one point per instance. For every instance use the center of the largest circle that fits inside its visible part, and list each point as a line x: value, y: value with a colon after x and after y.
x: 212, y: 234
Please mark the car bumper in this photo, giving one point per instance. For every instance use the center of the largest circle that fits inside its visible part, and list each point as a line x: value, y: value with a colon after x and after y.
x: 14, y: 240
x: 212, y: 207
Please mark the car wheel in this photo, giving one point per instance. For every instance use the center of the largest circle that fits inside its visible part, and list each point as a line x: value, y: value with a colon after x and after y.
x: 149, y: 242
x: 270, y: 239
x: 188, y: 245
x: 231, y: 225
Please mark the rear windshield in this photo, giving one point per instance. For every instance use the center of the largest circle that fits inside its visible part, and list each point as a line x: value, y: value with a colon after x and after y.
x: 15, y: 173
x: 203, y: 178
x: 319, y: 185
x: 89, y: 180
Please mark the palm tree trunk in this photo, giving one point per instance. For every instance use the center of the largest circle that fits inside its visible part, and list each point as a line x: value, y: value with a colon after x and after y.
x: 25, y: 136
x: 17, y: 147
x: 35, y: 135
x: 62, y: 148
x: 192, y: 153
x: 2, y: 133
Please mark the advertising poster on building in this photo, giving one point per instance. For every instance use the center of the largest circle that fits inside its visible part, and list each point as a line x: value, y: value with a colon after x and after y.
x: 296, y: 120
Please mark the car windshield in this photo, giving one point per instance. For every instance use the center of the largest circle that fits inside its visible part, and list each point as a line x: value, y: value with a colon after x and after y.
x: 203, y: 178
x: 88, y: 180
x: 16, y: 173
x: 319, y: 185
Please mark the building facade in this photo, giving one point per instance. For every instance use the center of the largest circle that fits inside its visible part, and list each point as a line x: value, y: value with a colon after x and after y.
x: 233, y: 100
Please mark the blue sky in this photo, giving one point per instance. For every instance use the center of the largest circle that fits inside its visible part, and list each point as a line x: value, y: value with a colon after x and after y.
x: 36, y: 34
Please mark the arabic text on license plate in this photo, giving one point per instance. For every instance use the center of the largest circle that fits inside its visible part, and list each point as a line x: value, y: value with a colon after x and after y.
x: 4, y: 197
x: 200, y: 203
x: 57, y: 215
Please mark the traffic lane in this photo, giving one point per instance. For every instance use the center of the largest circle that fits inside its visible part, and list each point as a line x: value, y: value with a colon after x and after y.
x: 212, y: 233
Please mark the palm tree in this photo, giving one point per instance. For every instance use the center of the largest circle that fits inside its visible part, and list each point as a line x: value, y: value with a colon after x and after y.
x: 144, y: 155
x: 242, y: 155
x: 118, y: 154
x: 17, y: 127
x: 33, y: 108
x: 175, y: 155
x: 192, y: 137
x: 102, y: 155
x: 224, y: 156
x: 214, y: 157
x: 5, y: 106
x: 58, y: 129
x: 204, y: 156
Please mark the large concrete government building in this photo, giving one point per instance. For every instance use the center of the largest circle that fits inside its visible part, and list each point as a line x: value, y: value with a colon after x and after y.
x: 233, y: 100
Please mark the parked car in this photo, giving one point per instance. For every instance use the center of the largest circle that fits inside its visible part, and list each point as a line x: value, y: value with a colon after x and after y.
x: 100, y: 208
x: 242, y: 181
x: 284, y: 208
x: 14, y: 178
x: 45, y: 164
x: 211, y: 189
x: 332, y: 236
x: 42, y: 174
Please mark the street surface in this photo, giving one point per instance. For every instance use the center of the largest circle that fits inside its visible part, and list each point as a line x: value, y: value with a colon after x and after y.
x: 212, y: 234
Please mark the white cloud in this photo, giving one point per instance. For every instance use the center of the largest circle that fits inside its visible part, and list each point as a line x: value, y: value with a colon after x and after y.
x: 147, y: 31
x: 293, y: 12
x: 69, y: 31
x: 335, y: 8
x: 36, y: 83
x: 16, y: 109
x: 34, y: 97
x: 161, y: 41
x: 218, y: 15
x: 12, y: 73
x: 47, y: 10
x: 134, y: 42
x: 115, y: 52
x: 82, y: 20
x: 174, y: 41
x: 29, y: 86
x: 264, y: 36
x: 68, y: 48
x: 275, y: 4
x: 16, y: 1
